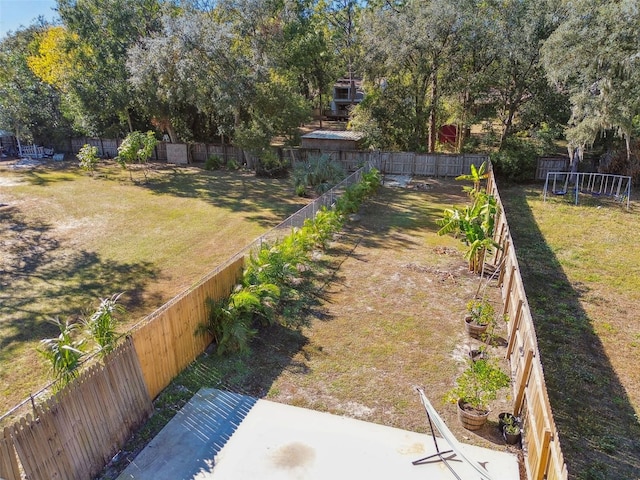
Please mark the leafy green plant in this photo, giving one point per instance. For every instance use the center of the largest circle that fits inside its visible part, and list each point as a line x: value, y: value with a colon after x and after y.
x: 320, y: 229
x: 65, y: 352
x: 232, y: 164
x: 230, y: 332
x: 511, y: 425
x: 319, y: 173
x: 481, y: 312
x: 137, y: 147
x: 476, y: 176
x: 269, y: 165
x: 88, y: 157
x: 212, y: 163
x: 259, y: 301
x: 301, y: 190
x: 101, y: 325
x: 479, y: 384
x: 475, y: 225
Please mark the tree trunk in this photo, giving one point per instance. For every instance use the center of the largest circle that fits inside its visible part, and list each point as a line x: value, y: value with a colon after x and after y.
x: 173, y: 136
x: 432, y: 113
x: 320, y: 108
x: 507, y: 124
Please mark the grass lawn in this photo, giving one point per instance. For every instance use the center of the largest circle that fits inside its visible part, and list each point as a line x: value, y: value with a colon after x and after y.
x: 391, y: 300
x: 68, y: 239
x: 581, y: 269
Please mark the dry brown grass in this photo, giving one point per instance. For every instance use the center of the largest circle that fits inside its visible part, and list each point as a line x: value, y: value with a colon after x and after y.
x: 67, y: 239
x: 391, y: 318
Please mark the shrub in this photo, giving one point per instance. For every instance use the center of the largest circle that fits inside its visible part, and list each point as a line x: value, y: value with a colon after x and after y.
x: 516, y: 160
x: 230, y: 331
x: 88, y: 156
x: 101, y: 325
x: 269, y: 165
x: 212, y: 163
x: 479, y: 384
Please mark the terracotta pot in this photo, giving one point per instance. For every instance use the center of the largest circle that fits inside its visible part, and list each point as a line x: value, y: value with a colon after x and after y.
x: 471, y: 419
x: 474, y: 329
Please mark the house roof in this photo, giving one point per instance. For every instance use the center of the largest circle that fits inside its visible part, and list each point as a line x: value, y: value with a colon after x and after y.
x: 221, y: 435
x: 334, y: 135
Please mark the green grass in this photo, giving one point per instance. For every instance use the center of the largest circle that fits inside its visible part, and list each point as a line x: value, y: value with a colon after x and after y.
x: 581, y: 268
x: 69, y: 239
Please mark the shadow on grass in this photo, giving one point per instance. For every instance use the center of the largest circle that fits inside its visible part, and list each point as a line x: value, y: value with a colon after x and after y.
x: 395, y: 213
x: 235, y: 191
x: 599, y: 429
x: 39, y: 281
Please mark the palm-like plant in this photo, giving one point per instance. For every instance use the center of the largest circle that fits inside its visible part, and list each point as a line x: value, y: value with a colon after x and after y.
x: 64, y: 352
x: 102, y: 324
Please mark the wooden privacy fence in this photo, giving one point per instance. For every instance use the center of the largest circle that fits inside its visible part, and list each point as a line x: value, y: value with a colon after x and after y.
x: 392, y: 163
x: 75, y: 433
x: 543, y: 459
x: 397, y: 163
x: 166, y: 342
x: 197, y: 152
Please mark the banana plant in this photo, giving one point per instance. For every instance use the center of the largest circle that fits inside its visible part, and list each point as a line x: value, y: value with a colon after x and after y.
x: 476, y: 176
x: 474, y: 225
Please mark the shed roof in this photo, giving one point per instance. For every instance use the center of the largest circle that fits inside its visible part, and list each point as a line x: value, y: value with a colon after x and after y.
x: 334, y: 135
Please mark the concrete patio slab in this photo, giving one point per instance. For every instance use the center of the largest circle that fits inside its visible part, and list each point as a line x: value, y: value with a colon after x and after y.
x: 227, y: 436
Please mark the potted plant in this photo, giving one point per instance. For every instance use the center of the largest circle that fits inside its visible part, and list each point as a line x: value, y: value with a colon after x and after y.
x: 511, y: 431
x: 504, y: 418
x: 478, y: 385
x: 480, y: 314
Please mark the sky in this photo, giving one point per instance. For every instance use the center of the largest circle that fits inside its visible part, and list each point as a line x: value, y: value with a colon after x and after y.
x: 17, y: 13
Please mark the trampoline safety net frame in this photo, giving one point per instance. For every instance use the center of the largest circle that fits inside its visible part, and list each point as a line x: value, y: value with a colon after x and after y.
x: 605, y: 185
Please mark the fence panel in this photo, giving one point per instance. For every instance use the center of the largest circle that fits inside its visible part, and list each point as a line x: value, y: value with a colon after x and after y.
x: 165, y: 341
x: 77, y: 431
x: 9, y: 469
x: 426, y: 165
x: 543, y: 457
x: 550, y: 164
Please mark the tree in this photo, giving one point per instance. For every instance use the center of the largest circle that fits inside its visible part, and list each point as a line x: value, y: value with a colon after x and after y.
x: 409, y: 50
x: 101, y: 32
x: 137, y: 147
x: 30, y: 107
x: 593, y: 57
x: 522, y: 26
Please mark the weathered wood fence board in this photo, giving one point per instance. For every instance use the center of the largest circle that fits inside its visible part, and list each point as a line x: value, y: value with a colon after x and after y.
x: 544, y: 457
x: 166, y: 342
x: 78, y: 430
x: 9, y: 469
x: 550, y: 164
